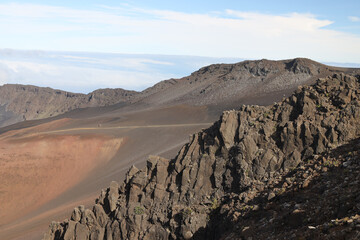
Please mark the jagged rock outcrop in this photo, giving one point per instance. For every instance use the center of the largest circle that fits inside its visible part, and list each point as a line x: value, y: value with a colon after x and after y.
x: 319, y: 199
x: 176, y: 199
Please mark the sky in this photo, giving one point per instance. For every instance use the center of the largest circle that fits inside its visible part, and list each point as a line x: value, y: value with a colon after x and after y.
x: 325, y: 31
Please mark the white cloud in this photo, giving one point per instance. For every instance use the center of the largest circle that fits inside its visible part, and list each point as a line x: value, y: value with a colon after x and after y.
x: 74, y: 78
x: 354, y: 18
x: 4, y: 78
x: 19, y: 66
x: 132, y: 30
x: 85, y: 72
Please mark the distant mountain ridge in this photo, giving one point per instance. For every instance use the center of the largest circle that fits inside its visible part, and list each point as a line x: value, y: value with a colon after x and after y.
x: 26, y: 102
x: 221, y: 86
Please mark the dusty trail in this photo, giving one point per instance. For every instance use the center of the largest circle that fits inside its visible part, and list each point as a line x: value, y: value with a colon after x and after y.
x: 128, y: 127
x: 111, y: 128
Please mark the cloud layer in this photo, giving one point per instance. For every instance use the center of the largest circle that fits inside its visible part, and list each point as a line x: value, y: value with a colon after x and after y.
x: 354, y: 19
x: 85, y: 72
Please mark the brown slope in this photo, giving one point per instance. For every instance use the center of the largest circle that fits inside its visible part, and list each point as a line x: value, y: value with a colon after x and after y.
x: 221, y: 168
x: 49, y: 162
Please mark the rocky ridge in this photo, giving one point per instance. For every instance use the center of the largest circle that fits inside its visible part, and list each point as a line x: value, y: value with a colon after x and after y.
x: 222, y: 168
x: 230, y: 84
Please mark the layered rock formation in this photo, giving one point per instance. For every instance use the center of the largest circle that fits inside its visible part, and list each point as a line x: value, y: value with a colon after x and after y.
x: 234, y: 159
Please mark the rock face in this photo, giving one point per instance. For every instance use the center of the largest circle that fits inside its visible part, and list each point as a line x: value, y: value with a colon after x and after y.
x: 233, y: 159
x: 317, y: 200
x: 25, y: 102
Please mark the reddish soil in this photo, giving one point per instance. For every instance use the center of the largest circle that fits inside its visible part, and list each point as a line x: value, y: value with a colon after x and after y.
x: 36, y: 169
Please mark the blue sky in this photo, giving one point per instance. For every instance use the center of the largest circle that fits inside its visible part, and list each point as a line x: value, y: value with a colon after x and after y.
x: 325, y: 31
